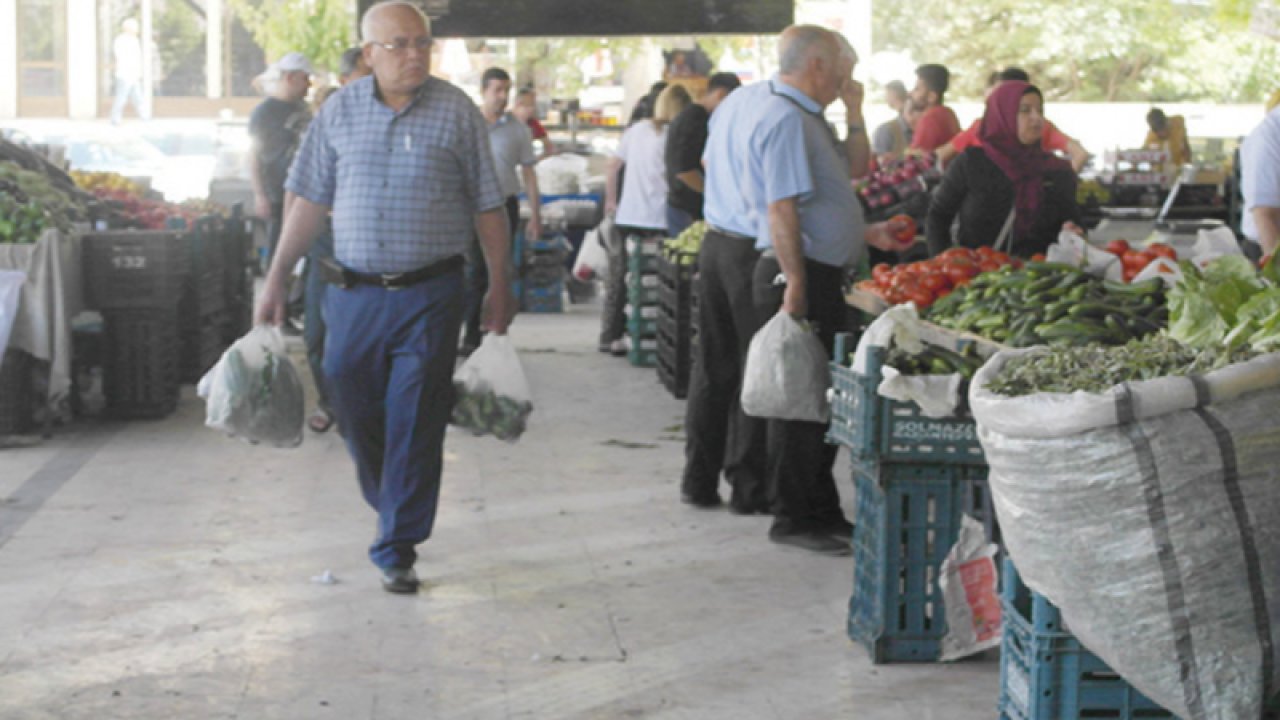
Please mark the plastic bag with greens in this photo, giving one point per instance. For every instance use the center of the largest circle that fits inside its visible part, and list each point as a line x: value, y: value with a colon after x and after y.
x: 254, y: 393
x: 492, y: 394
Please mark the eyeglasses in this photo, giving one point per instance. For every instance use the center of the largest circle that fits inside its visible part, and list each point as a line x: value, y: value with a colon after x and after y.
x: 401, y: 44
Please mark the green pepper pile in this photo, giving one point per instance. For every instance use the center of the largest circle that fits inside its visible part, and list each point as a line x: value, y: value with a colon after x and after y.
x: 683, y: 249
x: 484, y: 412
x: 29, y: 204
x: 1097, y: 368
x: 1055, y: 304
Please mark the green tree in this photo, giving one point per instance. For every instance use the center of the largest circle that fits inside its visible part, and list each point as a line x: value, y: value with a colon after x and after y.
x: 319, y: 29
x: 1086, y: 50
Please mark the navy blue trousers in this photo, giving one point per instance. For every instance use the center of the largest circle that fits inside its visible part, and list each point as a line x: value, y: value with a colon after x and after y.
x: 389, y: 359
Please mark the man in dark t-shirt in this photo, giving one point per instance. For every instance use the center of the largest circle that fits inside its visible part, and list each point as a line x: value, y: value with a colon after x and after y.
x: 686, y: 139
x: 276, y: 128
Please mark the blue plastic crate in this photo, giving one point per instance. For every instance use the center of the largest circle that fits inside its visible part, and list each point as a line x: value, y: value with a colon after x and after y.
x: 547, y: 298
x: 907, y: 519
x: 639, y: 327
x: 642, y: 358
x: 879, y: 430
x: 643, y: 263
x: 1046, y: 674
x: 637, y: 295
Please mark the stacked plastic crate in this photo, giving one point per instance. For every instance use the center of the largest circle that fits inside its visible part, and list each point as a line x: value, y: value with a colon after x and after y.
x: 676, y: 270
x: 642, y: 308
x: 542, y: 274
x: 1045, y: 673
x: 136, y: 279
x: 204, y: 316
x: 914, y: 477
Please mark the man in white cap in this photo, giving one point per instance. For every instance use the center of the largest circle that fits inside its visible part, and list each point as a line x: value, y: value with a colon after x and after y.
x: 276, y: 127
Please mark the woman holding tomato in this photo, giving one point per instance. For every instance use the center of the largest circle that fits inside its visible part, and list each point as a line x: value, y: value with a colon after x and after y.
x: 1008, y: 193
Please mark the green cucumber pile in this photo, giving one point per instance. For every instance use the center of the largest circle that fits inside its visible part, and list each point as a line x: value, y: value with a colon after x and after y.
x: 1053, y: 304
x: 1097, y: 368
x: 934, y: 360
x: 484, y: 412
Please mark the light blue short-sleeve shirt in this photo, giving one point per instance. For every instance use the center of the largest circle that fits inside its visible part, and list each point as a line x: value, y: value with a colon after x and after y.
x: 512, y: 148
x: 405, y: 185
x: 1260, y: 170
x: 769, y: 142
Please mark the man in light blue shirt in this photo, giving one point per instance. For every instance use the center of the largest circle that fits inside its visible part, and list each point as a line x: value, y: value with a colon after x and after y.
x: 778, y: 179
x: 1260, y: 183
x: 404, y: 161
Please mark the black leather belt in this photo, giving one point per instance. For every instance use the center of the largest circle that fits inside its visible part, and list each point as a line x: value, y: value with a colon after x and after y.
x: 345, y: 278
x: 728, y: 234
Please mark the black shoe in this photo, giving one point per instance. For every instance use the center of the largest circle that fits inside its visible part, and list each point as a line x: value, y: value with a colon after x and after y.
x: 709, y: 502
x: 838, y: 528
x: 741, y: 509
x: 817, y: 542
x: 402, y: 581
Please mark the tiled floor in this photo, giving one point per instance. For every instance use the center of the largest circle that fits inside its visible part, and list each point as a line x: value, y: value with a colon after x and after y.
x: 159, y: 570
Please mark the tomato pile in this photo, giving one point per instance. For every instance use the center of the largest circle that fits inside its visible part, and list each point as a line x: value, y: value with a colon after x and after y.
x: 928, y: 281
x: 1135, y: 260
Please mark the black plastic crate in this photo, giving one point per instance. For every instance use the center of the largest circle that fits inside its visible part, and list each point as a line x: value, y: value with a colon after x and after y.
x: 127, y: 270
x: 202, y: 345
x: 17, y: 393
x: 143, y: 355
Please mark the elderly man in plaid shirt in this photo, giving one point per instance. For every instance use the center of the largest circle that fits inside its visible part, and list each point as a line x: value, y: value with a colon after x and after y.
x: 403, y: 160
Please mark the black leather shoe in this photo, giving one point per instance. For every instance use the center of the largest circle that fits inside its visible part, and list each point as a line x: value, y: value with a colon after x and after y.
x: 702, y: 503
x: 402, y: 581
x: 839, y: 528
x: 738, y: 509
x: 820, y: 543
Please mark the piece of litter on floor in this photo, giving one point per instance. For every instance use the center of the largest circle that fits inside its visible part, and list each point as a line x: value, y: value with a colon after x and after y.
x: 325, y: 578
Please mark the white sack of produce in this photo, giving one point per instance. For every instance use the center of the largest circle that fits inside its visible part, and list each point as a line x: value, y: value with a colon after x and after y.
x: 254, y: 393
x: 787, y: 374
x: 491, y: 393
x: 1147, y: 514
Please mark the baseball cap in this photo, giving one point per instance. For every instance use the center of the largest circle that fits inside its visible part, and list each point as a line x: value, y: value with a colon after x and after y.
x: 293, y: 62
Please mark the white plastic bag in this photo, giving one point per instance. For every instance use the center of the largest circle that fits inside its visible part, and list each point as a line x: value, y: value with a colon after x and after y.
x: 254, y: 392
x: 787, y: 375
x: 970, y: 594
x: 1075, y: 250
x: 492, y: 394
x: 593, y: 259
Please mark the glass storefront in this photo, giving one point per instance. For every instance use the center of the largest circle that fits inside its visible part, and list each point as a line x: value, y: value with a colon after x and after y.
x: 42, y: 55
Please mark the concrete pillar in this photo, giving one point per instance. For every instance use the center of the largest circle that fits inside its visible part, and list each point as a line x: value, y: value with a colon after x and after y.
x: 213, y: 46
x: 82, y: 59
x: 148, y: 57
x: 9, y: 60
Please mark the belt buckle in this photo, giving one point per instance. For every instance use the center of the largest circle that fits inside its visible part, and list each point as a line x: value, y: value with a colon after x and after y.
x: 388, y: 280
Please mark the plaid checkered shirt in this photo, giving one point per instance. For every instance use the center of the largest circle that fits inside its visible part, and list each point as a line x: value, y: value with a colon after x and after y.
x: 404, y: 185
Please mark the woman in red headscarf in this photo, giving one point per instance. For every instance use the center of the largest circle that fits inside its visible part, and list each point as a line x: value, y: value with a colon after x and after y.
x: 1008, y: 193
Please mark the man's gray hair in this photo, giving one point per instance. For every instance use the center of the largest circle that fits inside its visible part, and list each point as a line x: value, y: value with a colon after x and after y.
x: 846, y: 48
x: 799, y: 43
x: 366, y: 22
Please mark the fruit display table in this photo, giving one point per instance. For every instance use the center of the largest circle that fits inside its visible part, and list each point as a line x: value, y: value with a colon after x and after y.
x: 50, y: 297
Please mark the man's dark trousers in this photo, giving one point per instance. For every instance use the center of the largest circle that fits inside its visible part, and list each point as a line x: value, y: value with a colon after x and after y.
x: 389, y: 359
x: 478, y: 277
x: 800, y: 460
x: 719, y: 436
